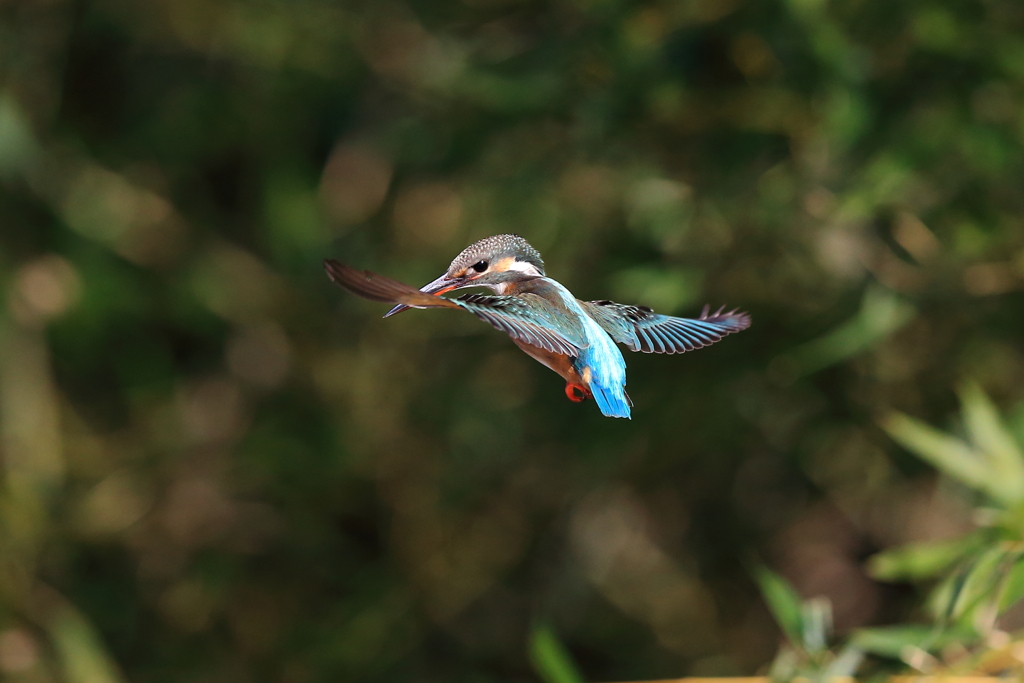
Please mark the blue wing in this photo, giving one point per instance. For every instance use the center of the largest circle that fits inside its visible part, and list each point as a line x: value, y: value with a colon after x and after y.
x: 641, y: 329
x: 529, y: 318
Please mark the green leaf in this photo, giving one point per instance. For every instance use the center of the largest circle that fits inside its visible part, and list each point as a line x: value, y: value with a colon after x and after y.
x: 817, y: 621
x: 783, y: 602
x: 83, y: 656
x: 1013, y: 587
x: 979, y: 586
x: 922, y: 560
x: 947, y: 453
x: 786, y: 665
x: 942, y: 599
x: 972, y: 597
x: 846, y: 664
x: 986, y: 430
x: 895, y: 641
x: 550, y: 659
x: 892, y: 641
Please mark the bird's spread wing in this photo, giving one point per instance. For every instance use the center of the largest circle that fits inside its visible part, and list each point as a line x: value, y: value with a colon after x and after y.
x: 528, y: 318
x: 519, y: 316
x: 380, y: 288
x: 641, y: 329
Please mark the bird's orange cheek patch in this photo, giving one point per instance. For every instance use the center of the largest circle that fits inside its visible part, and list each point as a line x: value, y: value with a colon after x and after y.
x: 502, y: 265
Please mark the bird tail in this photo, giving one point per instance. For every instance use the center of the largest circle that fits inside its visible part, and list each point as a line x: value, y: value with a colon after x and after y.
x: 612, y: 401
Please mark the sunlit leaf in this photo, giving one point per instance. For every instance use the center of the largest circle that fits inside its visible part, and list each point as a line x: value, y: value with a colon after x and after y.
x: 550, y: 659
x: 846, y: 664
x: 921, y: 560
x: 979, y: 586
x: 786, y: 664
x: 893, y: 641
x: 990, y: 436
x: 947, y: 453
x: 1013, y: 587
x: 817, y: 622
x: 83, y: 656
x: 1015, y: 422
x: 971, y: 598
x: 784, y: 602
x: 942, y: 599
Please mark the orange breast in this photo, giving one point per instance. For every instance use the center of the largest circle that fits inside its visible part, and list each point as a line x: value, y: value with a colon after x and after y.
x: 558, y: 362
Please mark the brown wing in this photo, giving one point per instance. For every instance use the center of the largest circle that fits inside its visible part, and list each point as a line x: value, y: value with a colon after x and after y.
x: 381, y: 288
x: 525, y: 319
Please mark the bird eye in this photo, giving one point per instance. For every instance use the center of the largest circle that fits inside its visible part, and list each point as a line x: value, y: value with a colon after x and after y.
x: 480, y: 266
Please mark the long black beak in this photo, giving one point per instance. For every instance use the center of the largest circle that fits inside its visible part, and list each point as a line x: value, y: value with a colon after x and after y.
x: 437, y: 287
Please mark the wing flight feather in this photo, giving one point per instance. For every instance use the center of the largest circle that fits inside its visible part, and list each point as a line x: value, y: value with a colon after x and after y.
x: 527, y: 317
x: 382, y: 288
x: 641, y: 329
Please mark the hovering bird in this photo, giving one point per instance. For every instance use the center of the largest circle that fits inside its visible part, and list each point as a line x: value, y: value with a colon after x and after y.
x: 574, y: 338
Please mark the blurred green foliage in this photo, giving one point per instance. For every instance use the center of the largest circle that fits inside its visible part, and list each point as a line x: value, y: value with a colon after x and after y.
x: 807, y: 625
x: 549, y: 657
x: 981, y: 574
x: 217, y: 467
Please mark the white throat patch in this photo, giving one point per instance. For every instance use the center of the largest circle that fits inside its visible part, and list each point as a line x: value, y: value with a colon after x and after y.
x: 525, y: 267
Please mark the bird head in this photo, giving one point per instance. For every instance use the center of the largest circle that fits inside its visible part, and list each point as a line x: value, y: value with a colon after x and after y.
x: 493, y: 262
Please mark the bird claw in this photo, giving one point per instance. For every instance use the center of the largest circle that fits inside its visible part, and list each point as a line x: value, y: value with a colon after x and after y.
x: 576, y: 392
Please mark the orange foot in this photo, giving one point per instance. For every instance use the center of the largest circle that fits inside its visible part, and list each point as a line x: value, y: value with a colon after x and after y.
x: 576, y: 392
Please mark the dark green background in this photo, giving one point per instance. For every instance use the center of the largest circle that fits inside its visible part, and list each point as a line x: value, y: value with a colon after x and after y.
x: 219, y: 467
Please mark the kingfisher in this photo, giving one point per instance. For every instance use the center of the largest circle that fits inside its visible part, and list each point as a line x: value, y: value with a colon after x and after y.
x: 577, y: 339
